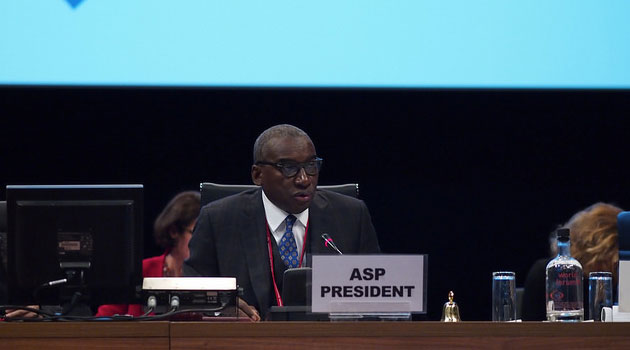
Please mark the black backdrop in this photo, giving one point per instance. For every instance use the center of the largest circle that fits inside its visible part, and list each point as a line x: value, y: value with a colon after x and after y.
x: 474, y: 178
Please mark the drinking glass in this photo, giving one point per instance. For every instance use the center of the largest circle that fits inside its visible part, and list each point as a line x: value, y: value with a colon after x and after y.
x: 503, y: 296
x: 599, y: 293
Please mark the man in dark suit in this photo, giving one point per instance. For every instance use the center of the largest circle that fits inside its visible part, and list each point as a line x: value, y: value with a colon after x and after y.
x: 278, y: 224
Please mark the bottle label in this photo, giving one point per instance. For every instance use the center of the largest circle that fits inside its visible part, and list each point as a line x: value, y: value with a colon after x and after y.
x: 565, y: 280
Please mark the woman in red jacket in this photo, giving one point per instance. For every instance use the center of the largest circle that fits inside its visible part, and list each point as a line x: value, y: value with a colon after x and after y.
x: 172, y: 230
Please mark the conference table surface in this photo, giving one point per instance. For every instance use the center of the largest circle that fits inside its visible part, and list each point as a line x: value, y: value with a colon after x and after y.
x: 313, y: 335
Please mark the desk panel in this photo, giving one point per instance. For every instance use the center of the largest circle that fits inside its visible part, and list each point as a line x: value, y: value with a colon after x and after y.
x: 87, y: 335
x: 399, y: 335
x: 313, y: 335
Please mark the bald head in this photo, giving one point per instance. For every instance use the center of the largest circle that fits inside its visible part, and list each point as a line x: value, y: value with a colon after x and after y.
x: 277, y: 131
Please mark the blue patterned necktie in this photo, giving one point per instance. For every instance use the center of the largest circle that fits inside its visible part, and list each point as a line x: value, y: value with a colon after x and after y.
x: 287, y: 246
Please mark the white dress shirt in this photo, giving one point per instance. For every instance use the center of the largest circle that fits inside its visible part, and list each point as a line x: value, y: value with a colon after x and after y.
x: 277, y: 225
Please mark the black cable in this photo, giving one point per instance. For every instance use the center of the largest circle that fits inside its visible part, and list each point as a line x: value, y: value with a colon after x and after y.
x: 65, y: 318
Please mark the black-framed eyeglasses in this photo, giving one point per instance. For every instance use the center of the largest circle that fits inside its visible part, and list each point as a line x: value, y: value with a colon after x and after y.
x: 290, y: 169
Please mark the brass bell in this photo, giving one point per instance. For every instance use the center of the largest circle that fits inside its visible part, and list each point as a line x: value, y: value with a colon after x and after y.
x: 450, y: 311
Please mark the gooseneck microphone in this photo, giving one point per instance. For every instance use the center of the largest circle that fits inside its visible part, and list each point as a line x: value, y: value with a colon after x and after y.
x: 328, y: 242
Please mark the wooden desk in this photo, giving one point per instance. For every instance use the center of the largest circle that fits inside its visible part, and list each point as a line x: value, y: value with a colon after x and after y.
x: 399, y: 335
x: 84, y: 335
x: 313, y: 335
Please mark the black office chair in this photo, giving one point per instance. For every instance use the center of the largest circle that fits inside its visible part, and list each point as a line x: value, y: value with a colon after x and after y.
x: 623, y: 229
x: 3, y: 216
x: 519, y: 302
x: 211, y: 192
x: 3, y: 250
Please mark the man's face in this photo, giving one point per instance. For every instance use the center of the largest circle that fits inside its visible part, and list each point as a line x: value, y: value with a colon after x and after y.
x: 291, y: 194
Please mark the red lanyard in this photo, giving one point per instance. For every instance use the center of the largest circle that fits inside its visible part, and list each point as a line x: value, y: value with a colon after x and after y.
x: 273, y: 275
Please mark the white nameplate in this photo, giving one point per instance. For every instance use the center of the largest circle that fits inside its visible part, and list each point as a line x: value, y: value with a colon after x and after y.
x: 369, y: 283
x: 624, y: 286
x: 189, y: 283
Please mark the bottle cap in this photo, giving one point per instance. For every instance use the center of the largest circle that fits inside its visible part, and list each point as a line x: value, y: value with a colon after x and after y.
x: 563, y: 233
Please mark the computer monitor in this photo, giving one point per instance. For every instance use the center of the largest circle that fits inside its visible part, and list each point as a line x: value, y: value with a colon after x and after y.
x: 89, y: 235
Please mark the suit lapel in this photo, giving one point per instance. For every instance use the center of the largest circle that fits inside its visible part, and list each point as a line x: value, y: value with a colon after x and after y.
x: 254, y: 238
x: 319, y: 223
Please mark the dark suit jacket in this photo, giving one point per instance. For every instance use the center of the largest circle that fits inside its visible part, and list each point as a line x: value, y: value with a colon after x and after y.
x: 534, y: 299
x: 230, y: 239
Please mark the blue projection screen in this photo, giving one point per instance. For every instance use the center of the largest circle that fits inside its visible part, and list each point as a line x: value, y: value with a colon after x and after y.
x: 324, y: 43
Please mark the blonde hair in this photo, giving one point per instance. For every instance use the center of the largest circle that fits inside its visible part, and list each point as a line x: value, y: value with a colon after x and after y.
x: 594, y: 238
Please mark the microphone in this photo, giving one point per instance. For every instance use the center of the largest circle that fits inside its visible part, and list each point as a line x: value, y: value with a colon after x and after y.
x: 328, y: 242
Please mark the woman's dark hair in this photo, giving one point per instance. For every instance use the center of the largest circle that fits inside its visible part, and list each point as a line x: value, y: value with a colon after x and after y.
x: 178, y: 213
